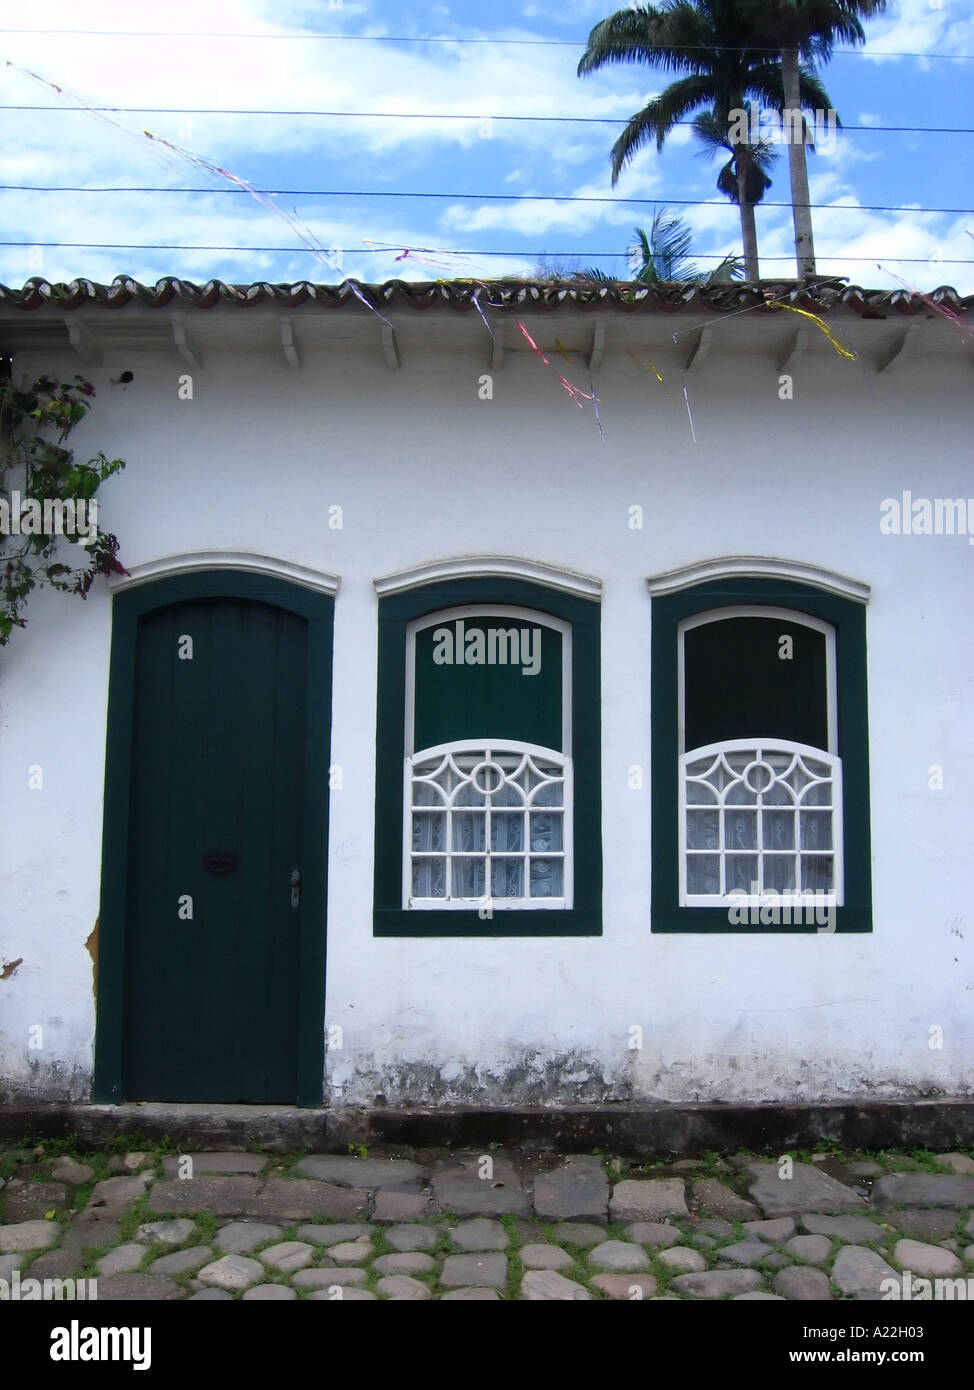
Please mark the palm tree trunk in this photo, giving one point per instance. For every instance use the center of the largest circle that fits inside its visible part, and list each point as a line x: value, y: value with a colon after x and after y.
x: 797, y: 167
x: 749, y: 234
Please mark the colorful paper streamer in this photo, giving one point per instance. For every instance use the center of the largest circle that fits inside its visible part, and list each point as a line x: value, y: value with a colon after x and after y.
x: 654, y: 370
x: 842, y: 351
x: 940, y: 309
x: 576, y: 392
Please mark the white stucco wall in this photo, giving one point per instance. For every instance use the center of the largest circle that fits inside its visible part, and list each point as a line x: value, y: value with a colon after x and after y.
x: 425, y: 470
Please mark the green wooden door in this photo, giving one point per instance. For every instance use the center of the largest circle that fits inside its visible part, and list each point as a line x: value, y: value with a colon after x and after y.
x: 215, y: 827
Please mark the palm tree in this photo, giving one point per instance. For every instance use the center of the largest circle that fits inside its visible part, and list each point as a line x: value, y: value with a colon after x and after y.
x: 743, y: 179
x: 806, y: 29
x: 721, y: 65
x: 664, y: 256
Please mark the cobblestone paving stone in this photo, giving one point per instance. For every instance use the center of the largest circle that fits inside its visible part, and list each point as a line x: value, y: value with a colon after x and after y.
x: 459, y: 1227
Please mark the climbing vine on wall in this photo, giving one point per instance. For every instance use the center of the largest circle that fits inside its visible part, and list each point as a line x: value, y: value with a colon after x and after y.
x: 48, y: 511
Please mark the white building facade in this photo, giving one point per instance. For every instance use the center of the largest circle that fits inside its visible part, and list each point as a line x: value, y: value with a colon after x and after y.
x: 519, y: 753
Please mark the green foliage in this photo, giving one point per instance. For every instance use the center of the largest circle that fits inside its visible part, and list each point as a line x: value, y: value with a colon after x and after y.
x: 664, y: 255
x: 35, y: 421
x: 358, y: 1150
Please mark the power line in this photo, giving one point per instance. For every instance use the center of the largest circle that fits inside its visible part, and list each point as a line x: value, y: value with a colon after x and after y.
x: 473, y: 197
x: 384, y: 251
x: 431, y: 38
x: 428, y: 116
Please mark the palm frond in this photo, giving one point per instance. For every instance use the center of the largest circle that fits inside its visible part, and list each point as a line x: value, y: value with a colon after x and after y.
x: 730, y: 268
x: 655, y: 121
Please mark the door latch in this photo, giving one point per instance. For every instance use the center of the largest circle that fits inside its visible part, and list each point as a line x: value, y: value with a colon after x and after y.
x: 295, y: 887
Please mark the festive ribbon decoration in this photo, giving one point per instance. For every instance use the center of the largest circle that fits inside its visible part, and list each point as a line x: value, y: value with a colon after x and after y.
x: 173, y: 156
x: 693, y: 433
x: 437, y: 257
x: 476, y: 304
x: 654, y: 370
x: 288, y: 219
x: 842, y: 351
x: 595, y: 407
x: 576, y: 392
x: 941, y: 309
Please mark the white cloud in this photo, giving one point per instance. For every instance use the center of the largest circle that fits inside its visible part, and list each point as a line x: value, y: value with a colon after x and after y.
x: 919, y: 26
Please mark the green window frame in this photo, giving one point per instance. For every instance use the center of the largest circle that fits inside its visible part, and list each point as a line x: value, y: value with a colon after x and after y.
x: 582, y: 617
x: 846, y: 618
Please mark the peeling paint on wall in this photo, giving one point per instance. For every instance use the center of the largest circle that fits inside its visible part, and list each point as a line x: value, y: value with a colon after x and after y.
x: 91, y: 946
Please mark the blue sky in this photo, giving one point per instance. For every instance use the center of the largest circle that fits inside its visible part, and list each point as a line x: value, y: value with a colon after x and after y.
x: 70, y: 147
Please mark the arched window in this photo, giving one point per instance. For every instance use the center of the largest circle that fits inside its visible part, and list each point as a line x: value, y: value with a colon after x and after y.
x: 760, y: 766
x: 488, y: 768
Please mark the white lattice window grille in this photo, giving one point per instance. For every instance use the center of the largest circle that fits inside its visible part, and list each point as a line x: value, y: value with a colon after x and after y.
x: 758, y: 820
x: 488, y: 823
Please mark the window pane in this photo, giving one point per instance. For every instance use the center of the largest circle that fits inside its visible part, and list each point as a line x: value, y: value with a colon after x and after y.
x: 740, y: 830
x: 700, y: 793
x: 816, y: 873
x: 469, y: 831
x: 429, y: 878
x: 547, y: 878
x: 702, y: 830
x: 506, y: 832
x: 468, y: 878
x: 429, y: 830
x: 816, y: 829
x: 738, y: 686
x: 742, y: 872
x: 507, y: 878
x: 779, y: 873
x: 778, y: 829
x: 703, y: 873
x: 817, y: 794
x: 546, y: 832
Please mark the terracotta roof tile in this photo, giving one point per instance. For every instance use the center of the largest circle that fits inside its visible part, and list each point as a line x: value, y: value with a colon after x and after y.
x: 504, y: 296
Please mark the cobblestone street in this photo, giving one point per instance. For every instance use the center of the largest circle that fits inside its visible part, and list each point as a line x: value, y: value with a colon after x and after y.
x: 524, y: 1226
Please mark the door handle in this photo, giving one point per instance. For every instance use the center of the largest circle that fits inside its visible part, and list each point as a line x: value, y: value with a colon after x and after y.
x: 295, y: 887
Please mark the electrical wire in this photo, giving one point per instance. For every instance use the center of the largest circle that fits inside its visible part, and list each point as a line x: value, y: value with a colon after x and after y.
x: 470, y: 197
x: 379, y: 251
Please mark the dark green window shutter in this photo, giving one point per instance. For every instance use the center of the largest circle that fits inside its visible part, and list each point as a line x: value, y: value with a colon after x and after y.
x: 483, y: 700
x: 737, y: 686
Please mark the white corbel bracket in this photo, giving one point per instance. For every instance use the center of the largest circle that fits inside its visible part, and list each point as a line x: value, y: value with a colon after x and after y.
x: 902, y: 349
x: 186, y: 345
x: 390, y: 346
x: 84, y: 344
x: 289, y: 345
x: 699, y: 351
x: 797, y: 350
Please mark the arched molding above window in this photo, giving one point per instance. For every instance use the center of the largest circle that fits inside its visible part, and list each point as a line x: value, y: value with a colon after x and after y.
x: 565, y: 581
x: 757, y: 567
